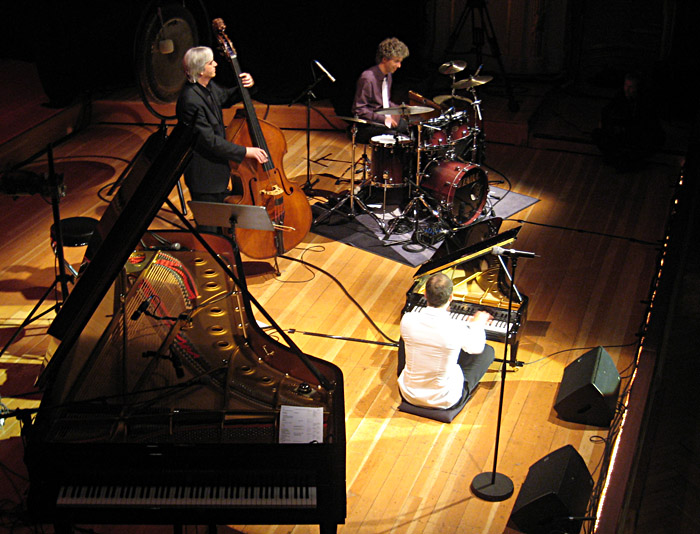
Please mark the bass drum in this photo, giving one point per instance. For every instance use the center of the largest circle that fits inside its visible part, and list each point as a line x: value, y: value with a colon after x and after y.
x: 460, y: 188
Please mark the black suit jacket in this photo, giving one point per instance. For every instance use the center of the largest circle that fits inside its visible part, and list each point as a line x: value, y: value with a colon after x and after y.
x: 208, y: 171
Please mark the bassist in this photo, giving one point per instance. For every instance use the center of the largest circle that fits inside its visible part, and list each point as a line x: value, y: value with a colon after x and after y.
x: 208, y: 173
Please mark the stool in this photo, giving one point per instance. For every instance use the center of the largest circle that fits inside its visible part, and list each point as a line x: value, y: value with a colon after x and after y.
x: 444, y: 415
x: 76, y: 232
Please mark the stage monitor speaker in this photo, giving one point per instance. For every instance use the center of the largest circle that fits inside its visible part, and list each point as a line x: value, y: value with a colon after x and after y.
x: 555, y: 494
x: 589, y: 389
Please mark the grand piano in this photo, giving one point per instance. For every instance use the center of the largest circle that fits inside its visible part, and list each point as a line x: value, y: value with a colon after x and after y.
x: 164, y: 401
x: 481, y: 282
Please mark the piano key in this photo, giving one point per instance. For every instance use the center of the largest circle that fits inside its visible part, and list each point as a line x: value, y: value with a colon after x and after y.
x: 184, y: 496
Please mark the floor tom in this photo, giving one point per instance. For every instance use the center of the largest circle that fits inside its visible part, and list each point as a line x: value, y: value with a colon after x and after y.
x: 392, y: 158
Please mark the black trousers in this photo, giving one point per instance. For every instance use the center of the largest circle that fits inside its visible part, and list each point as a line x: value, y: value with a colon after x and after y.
x: 474, y: 366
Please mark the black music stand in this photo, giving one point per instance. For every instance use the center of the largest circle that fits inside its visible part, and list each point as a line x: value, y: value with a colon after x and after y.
x: 224, y: 215
x: 231, y: 215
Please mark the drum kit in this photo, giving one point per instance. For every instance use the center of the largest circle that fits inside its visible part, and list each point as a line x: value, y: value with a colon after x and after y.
x: 435, y: 165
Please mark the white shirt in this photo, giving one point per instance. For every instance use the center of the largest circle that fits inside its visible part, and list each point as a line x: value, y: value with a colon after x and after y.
x: 433, y: 341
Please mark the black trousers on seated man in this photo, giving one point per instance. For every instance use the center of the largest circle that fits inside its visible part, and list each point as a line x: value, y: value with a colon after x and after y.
x: 474, y: 366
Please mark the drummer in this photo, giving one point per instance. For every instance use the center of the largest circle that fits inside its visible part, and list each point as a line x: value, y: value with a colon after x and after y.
x: 374, y: 92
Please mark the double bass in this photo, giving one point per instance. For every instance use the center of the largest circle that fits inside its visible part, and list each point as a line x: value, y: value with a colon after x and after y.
x: 263, y: 185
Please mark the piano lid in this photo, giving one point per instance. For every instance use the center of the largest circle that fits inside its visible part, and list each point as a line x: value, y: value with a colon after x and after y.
x: 126, y: 219
x: 470, y: 252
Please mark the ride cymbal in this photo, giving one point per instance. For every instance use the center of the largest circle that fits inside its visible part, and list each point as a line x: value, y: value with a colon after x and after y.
x: 452, y: 67
x: 472, y: 81
x: 442, y: 99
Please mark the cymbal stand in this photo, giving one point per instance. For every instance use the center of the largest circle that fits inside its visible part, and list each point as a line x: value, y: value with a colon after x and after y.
x: 417, y: 199
x: 479, y: 135
x: 350, y: 195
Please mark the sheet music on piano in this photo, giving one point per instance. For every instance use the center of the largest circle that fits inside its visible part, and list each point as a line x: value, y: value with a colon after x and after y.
x: 301, y: 424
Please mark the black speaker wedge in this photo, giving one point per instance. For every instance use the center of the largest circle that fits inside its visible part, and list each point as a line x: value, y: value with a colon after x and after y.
x: 589, y: 389
x: 555, y: 494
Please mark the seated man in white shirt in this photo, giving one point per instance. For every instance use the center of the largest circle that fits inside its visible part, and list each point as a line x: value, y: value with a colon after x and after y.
x: 441, y: 359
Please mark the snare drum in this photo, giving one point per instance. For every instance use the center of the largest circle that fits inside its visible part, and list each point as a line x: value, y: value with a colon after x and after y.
x: 391, y: 160
x: 460, y: 188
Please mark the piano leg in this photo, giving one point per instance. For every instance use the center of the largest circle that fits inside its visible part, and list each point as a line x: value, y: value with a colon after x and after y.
x: 328, y: 528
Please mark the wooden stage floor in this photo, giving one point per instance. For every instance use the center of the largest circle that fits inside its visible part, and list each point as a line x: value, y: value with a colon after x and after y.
x: 596, y: 233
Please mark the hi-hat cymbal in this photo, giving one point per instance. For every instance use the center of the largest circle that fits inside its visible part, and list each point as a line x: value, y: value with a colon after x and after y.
x: 359, y: 120
x: 472, y: 81
x: 443, y: 99
x: 452, y: 67
x: 404, y: 110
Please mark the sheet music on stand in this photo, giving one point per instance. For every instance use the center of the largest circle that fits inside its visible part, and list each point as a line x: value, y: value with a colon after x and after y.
x: 301, y: 424
x: 225, y: 215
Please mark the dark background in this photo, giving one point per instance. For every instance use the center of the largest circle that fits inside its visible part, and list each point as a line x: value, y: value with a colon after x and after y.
x: 83, y: 47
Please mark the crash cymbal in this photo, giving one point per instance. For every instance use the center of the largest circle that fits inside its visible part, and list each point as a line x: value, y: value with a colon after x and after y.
x: 452, y: 67
x: 472, y: 81
x: 404, y: 110
x: 359, y: 120
x: 443, y: 99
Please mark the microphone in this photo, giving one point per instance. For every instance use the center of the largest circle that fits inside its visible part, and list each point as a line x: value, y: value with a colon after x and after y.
x: 142, y: 308
x: 331, y: 78
x: 512, y: 253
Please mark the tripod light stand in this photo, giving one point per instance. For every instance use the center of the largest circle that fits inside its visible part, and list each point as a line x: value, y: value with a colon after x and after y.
x: 28, y: 183
x: 481, y: 31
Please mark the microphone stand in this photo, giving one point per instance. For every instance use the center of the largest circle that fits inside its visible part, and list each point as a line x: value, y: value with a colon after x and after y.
x: 491, y: 485
x: 308, y: 93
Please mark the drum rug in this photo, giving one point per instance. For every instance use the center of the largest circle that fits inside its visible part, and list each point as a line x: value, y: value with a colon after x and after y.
x: 364, y: 232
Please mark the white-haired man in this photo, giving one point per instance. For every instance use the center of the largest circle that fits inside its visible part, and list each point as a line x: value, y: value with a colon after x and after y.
x: 200, y: 102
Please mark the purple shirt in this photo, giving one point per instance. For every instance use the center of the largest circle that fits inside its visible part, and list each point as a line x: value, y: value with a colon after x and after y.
x: 368, y: 95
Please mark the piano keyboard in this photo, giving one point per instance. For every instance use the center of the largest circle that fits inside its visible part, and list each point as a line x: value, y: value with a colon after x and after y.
x: 187, y: 496
x: 462, y: 311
